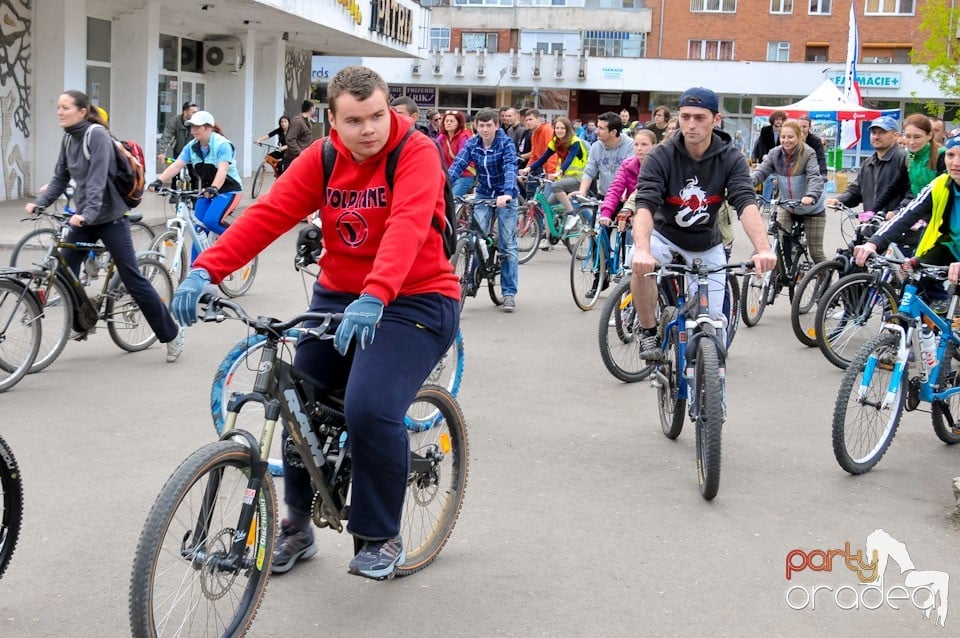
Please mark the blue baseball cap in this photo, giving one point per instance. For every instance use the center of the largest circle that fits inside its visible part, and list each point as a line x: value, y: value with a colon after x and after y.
x: 953, y: 139
x: 700, y: 97
x: 886, y: 123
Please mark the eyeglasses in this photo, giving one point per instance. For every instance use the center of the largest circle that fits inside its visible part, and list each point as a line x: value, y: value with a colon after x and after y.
x: 437, y: 117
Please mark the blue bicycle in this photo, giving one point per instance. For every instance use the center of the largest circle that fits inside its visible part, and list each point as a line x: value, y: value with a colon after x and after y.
x: 599, y: 256
x: 877, y: 385
x: 692, y: 375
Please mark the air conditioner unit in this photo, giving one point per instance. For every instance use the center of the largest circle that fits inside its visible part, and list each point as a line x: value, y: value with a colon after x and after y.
x: 222, y: 55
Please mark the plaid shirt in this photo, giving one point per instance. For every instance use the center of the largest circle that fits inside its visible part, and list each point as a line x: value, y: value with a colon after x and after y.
x: 496, y: 166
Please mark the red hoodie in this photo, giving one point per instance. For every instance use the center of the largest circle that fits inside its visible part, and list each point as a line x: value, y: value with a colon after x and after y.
x: 375, y: 241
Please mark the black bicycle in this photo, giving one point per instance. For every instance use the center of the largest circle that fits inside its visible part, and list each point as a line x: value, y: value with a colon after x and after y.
x: 11, y: 504
x: 477, y: 256
x: 205, y: 552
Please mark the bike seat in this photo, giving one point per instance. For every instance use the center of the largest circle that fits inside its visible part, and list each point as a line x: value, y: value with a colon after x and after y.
x: 133, y: 216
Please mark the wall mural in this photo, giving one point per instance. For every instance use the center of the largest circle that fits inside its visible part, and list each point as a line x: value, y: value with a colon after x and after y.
x: 15, y: 18
x: 296, y: 79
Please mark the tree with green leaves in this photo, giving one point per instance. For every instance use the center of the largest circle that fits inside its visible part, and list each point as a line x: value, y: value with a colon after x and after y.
x: 939, y: 54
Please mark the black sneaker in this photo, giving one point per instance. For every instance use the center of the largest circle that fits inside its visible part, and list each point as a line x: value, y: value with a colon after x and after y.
x: 292, y: 545
x: 650, y: 348
x: 378, y: 559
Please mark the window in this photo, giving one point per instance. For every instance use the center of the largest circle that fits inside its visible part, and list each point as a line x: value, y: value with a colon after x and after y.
x: 710, y: 50
x: 470, y: 41
x: 889, y: 7
x: 886, y: 55
x: 440, y: 38
x: 713, y: 6
x: 615, y: 44
x: 620, y: 4
x: 550, y: 3
x: 820, y: 7
x: 781, y: 6
x: 778, y: 51
x: 485, y: 3
x: 549, y: 42
x: 816, y: 53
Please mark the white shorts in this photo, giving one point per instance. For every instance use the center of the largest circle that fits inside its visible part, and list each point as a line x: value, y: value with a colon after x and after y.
x: 664, y: 250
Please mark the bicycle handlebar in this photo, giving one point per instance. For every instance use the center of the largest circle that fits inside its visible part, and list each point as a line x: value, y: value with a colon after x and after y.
x: 674, y: 270
x: 268, y: 146
x: 168, y: 190
x: 215, y: 307
x: 914, y: 268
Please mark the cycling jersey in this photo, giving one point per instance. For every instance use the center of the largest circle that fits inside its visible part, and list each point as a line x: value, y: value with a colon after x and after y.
x: 205, y: 161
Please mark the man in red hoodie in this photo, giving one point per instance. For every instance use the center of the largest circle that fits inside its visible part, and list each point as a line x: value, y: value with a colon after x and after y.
x: 385, y: 269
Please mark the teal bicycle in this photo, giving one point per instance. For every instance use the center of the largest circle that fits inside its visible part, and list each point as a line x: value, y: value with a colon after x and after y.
x: 878, y: 386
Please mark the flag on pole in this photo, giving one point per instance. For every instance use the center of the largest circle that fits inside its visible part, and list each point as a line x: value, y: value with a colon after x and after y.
x: 850, y: 130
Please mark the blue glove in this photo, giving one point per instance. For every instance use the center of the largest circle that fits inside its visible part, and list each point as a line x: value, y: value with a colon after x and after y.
x: 360, y: 320
x: 187, y: 297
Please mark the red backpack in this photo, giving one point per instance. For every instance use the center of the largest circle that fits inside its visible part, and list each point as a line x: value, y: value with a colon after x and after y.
x: 129, y: 178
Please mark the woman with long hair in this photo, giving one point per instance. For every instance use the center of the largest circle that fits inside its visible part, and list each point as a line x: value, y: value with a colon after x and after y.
x: 87, y: 157
x: 281, y: 134
x: 453, y: 135
x: 793, y: 165
x: 925, y: 158
x: 572, y: 153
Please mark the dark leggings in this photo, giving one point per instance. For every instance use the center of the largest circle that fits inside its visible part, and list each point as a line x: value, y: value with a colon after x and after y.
x: 939, y: 255
x: 116, y: 237
x: 380, y: 383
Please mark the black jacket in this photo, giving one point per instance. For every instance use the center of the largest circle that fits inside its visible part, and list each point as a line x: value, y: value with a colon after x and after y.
x: 685, y: 195
x: 882, y: 183
x: 816, y: 144
x: 764, y: 143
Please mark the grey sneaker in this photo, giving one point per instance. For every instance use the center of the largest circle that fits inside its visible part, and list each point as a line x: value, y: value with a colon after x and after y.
x: 378, y: 559
x: 175, y: 347
x: 292, y: 545
x: 509, y: 303
x: 650, y: 348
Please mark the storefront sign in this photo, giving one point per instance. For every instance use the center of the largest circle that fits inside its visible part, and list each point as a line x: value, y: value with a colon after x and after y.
x: 423, y: 95
x: 391, y: 19
x: 870, y: 79
x: 324, y: 67
x: 612, y: 72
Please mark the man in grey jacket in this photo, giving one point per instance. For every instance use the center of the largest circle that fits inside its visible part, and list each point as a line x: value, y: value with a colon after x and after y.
x: 606, y: 154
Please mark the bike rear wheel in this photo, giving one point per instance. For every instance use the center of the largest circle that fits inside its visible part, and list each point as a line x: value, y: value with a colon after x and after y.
x: 670, y: 405
x: 863, y: 426
x: 181, y: 578
x: 126, y: 323
x: 806, y: 298
x: 258, y: 179
x: 755, y: 293
x: 709, y: 417
x: 239, y: 281
x: 11, y: 504
x: 588, y: 269
x: 851, y: 313
x: 437, y: 481
x: 529, y: 234
x: 945, y: 412
x: 57, y: 323
x: 20, y: 332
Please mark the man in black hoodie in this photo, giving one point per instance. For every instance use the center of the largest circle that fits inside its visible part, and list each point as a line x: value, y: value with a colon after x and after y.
x: 680, y: 190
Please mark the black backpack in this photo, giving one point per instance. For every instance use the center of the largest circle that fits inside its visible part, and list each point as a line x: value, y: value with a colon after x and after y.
x: 449, y: 233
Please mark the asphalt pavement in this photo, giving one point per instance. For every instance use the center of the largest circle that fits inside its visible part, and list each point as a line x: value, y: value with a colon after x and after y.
x: 580, y: 517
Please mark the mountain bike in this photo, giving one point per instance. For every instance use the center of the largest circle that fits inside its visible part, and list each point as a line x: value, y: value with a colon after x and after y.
x: 33, y: 247
x: 692, y: 375
x: 599, y: 255
x: 268, y: 162
x: 877, y: 385
x: 852, y: 310
x: 793, y: 262
x: 171, y: 245
x: 477, y: 257
x: 11, y: 504
x: 206, y: 549
x: 68, y: 311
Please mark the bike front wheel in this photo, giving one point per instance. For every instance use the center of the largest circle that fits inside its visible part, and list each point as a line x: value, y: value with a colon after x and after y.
x: 258, y: 179
x: 11, y: 504
x: 529, y: 234
x: 126, y: 323
x: 494, y: 284
x: 165, y: 245
x: 461, y: 267
x: 437, y: 481
x: 850, y: 313
x: 709, y: 417
x: 865, y: 416
x: 187, y: 580
x: 806, y: 297
x: 588, y: 269
x: 20, y: 332
x: 57, y: 322
x: 33, y: 248
x: 239, y: 281
x: 755, y: 295
x: 617, y: 334
x: 732, y: 304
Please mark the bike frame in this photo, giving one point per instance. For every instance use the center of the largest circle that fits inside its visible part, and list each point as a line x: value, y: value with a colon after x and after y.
x: 913, y: 312
x: 185, y: 220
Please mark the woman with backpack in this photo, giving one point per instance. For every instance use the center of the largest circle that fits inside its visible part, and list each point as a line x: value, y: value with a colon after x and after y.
x: 213, y: 158
x: 87, y: 156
